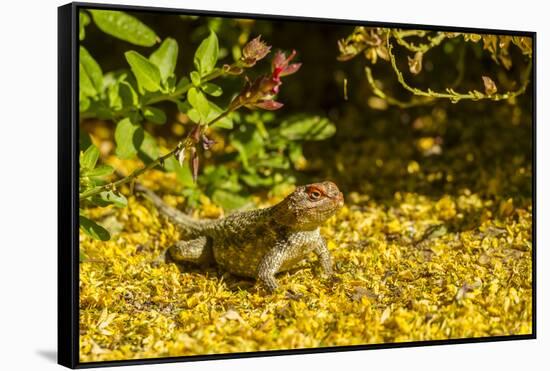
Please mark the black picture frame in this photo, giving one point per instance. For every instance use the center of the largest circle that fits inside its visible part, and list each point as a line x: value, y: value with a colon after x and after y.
x: 68, y: 225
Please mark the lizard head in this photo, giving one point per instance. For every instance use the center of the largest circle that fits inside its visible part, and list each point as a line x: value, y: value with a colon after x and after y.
x: 309, y: 205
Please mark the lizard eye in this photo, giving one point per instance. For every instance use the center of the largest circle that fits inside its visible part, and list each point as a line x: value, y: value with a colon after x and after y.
x: 314, y: 195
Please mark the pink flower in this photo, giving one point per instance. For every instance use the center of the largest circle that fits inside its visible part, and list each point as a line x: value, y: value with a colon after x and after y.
x: 269, y: 105
x: 260, y: 92
x: 257, y: 94
x: 280, y: 67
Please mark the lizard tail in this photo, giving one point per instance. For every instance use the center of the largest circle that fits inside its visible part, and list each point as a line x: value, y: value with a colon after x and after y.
x: 191, y: 227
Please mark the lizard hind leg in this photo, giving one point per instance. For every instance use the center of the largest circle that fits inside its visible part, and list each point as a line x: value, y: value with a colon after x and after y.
x: 197, y: 251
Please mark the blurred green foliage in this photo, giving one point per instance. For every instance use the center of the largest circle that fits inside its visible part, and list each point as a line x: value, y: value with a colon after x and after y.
x: 258, y: 151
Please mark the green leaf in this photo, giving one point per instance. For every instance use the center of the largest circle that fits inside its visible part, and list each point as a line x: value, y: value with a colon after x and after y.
x: 254, y: 180
x: 115, y: 198
x: 242, y: 153
x: 295, y: 152
x: 91, y: 76
x: 123, y: 26
x: 183, y: 86
x: 113, y: 90
x: 154, y: 115
x: 89, y: 158
x: 93, y: 229
x: 194, y: 115
x: 84, y: 140
x: 128, y: 94
x: 206, y: 55
x: 165, y: 58
x: 146, y: 73
x: 192, y: 196
x: 211, y: 89
x: 101, y: 109
x: 198, y: 101
x: 219, y: 177
x: 215, y: 111
x: 148, y: 148
x: 229, y: 200
x: 111, y: 78
x: 84, y: 102
x: 170, y: 84
x: 302, y: 127
x: 274, y: 162
x: 248, y: 142
x: 127, y: 138
x: 195, y: 78
x: 183, y: 173
x: 83, y: 21
x: 102, y: 170
x: 135, y: 116
x: 82, y: 257
x: 115, y: 101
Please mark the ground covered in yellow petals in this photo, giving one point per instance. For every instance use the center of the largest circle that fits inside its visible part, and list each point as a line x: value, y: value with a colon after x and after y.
x: 409, y: 268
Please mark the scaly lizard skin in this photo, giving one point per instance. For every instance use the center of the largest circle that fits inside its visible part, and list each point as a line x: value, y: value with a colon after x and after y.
x: 262, y: 242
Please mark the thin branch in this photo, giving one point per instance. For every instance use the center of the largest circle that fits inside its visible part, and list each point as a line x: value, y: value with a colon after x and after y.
x: 409, y: 33
x: 450, y: 93
x: 97, y: 190
x: 182, y: 146
x: 214, y: 74
x: 377, y: 90
x: 423, y: 48
x: 390, y: 100
x: 460, y: 67
x: 172, y: 97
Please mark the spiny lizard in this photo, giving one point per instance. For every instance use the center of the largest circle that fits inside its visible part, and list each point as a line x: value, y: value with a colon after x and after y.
x: 258, y: 243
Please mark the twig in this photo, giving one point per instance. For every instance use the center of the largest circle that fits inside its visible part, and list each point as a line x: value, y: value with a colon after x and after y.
x: 450, y: 93
x: 390, y: 100
x: 182, y: 146
x: 460, y: 67
x: 94, y: 191
x: 423, y: 48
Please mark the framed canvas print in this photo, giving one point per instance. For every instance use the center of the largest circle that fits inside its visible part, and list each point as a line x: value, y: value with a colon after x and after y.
x: 237, y: 185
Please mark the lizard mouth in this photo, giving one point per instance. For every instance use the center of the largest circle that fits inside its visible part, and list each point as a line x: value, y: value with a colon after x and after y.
x: 340, y: 200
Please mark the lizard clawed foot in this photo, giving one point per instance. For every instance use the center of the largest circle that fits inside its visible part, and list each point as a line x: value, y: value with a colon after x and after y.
x: 163, y: 258
x: 268, y: 282
x: 264, y: 290
x: 332, y: 280
x: 293, y: 295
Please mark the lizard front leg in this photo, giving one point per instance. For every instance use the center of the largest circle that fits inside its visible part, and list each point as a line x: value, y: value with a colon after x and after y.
x: 321, y: 250
x: 270, y: 264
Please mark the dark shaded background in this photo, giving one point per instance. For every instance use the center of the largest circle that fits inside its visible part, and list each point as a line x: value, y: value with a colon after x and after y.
x: 485, y: 147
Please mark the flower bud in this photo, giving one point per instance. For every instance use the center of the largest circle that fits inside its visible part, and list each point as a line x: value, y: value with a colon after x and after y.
x: 254, y: 51
x: 207, y: 143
